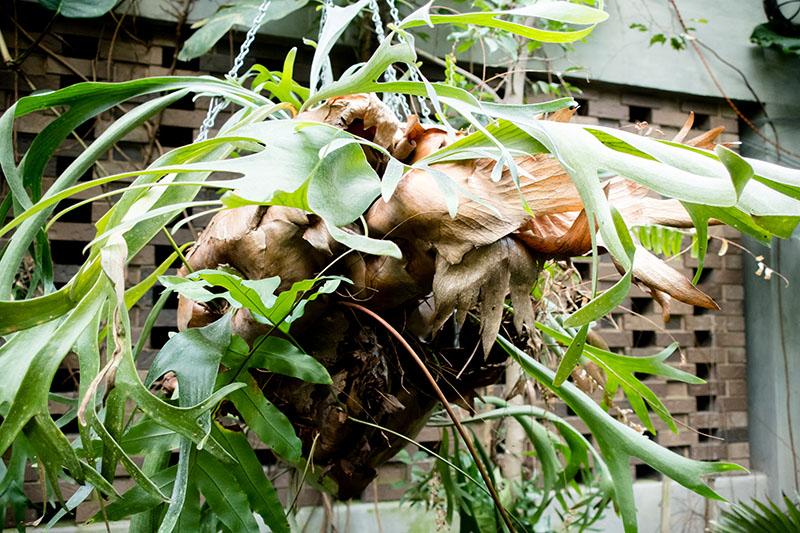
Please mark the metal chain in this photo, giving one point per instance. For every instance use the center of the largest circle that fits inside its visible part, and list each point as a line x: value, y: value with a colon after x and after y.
x: 325, y: 74
x: 423, y: 105
x: 216, y: 105
x: 396, y: 102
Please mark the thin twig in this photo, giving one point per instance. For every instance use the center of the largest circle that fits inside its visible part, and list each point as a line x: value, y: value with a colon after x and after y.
x: 463, y: 432
x: 722, y: 91
x: 467, y: 74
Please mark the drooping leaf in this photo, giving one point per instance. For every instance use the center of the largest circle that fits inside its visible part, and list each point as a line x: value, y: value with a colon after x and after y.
x: 224, y: 495
x: 618, y: 443
x: 250, y: 475
x: 242, y: 13
x: 571, y: 356
x: 337, y: 21
x: 79, y: 8
x: 560, y: 11
x: 85, y: 101
x: 31, y: 396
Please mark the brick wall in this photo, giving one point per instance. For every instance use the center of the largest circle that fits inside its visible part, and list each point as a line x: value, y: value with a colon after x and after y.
x: 712, y: 417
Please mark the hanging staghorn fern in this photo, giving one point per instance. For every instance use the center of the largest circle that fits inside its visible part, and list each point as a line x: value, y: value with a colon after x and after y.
x: 348, y: 243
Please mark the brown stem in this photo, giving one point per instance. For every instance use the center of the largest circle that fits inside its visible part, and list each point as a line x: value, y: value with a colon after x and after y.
x: 446, y: 404
x: 733, y: 106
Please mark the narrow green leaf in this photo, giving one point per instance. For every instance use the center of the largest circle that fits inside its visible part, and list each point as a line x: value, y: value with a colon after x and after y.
x: 241, y: 14
x: 249, y: 473
x: 179, y: 487
x: 571, y: 357
x: 224, y: 495
x: 560, y: 11
x: 31, y: 397
x: 365, y: 244
x: 619, y: 442
x: 337, y: 21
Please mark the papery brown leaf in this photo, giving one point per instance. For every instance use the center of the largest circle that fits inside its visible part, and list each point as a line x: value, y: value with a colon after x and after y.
x: 553, y: 236
x: 484, y: 276
x: 257, y: 242
x: 662, y: 299
x: 687, y: 127
x: 361, y: 114
x: 659, y: 276
x: 564, y: 114
x: 418, y: 209
x: 706, y: 140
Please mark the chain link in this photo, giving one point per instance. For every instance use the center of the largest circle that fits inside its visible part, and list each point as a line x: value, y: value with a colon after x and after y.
x: 396, y: 102
x: 414, y: 76
x: 216, y: 105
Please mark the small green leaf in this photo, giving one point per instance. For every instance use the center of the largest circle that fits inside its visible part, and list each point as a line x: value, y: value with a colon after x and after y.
x: 571, y: 357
